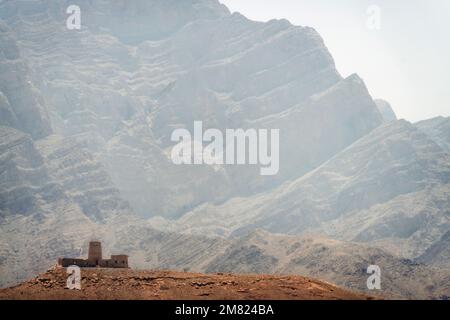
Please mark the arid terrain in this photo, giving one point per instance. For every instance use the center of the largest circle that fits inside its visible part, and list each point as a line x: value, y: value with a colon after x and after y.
x: 126, y: 284
x: 87, y: 118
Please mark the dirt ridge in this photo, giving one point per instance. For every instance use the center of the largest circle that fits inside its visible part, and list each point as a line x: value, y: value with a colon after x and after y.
x: 129, y: 284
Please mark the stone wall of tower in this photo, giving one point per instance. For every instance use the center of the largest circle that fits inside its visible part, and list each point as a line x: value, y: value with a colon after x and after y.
x: 95, y: 252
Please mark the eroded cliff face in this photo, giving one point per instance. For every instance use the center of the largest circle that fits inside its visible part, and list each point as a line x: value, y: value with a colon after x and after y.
x: 122, y: 90
x: 21, y: 104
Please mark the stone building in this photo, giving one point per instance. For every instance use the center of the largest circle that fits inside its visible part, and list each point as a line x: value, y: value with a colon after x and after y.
x: 95, y: 259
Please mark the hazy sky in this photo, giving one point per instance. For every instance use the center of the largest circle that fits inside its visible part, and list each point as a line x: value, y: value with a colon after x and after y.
x: 406, y: 61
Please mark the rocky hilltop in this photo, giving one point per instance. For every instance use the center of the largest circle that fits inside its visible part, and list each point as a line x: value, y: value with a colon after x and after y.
x: 112, y: 284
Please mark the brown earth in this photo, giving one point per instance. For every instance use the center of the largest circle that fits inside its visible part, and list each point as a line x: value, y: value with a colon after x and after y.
x: 127, y: 284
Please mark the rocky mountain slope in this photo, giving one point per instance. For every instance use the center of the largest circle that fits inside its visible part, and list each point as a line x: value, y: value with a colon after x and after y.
x: 390, y: 189
x: 438, y: 253
x: 205, y: 64
x: 386, y: 110
x: 53, y: 196
x: 21, y: 104
x: 342, y: 263
x: 437, y: 129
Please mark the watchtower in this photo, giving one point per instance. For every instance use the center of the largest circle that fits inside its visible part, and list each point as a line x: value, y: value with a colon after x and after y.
x: 95, y: 259
x: 95, y: 252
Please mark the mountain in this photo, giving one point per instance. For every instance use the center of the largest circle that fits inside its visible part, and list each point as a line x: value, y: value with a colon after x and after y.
x: 438, y: 253
x: 53, y: 195
x: 122, y: 91
x: 437, y: 129
x: 343, y: 263
x: 389, y: 188
x: 386, y: 110
x: 21, y: 104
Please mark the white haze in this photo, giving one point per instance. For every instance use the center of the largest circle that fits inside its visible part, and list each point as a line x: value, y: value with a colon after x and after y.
x: 405, y: 63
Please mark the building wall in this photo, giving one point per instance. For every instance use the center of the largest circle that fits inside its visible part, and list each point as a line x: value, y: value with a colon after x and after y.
x: 118, y: 261
x: 82, y: 263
